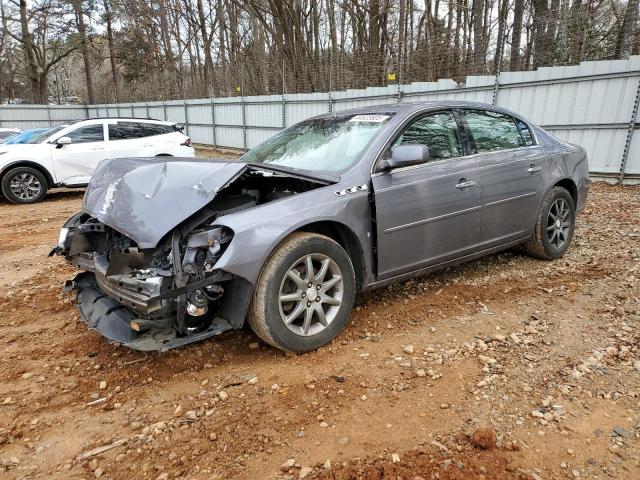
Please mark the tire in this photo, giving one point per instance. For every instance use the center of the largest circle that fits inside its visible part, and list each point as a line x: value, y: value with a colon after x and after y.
x: 24, y: 185
x: 267, y: 313
x: 552, y: 235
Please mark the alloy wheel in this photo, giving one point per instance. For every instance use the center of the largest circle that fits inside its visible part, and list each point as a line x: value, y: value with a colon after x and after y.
x: 25, y: 186
x: 310, y: 294
x: 559, y: 223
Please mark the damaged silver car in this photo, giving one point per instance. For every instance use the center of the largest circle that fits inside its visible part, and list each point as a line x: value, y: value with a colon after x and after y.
x: 177, y: 250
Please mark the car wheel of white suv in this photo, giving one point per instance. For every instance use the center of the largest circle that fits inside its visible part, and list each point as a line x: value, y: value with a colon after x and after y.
x: 24, y: 185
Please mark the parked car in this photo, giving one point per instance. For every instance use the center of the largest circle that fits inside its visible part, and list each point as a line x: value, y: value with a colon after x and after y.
x: 174, y: 251
x: 24, y: 136
x: 7, y: 133
x: 67, y: 155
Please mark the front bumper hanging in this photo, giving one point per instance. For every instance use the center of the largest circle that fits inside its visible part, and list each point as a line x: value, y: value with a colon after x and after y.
x: 113, y: 320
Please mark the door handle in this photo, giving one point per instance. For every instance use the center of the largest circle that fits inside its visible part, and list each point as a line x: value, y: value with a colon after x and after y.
x: 533, y: 169
x: 95, y: 149
x: 464, y: 183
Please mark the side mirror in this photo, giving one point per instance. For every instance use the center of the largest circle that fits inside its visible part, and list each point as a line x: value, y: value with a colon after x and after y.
x: 407, y: 156
x: 62, y: 141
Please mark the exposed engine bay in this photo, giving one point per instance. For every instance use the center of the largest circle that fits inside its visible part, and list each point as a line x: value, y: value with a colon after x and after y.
x: 162, y: 297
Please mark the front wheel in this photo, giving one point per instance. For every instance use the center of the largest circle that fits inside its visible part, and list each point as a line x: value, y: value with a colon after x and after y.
x: 24, y: 185
x: 304, y: 294
x: 555, y: 225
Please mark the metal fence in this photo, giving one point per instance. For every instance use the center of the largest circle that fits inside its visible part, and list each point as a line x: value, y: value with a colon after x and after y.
x: 594, y: 104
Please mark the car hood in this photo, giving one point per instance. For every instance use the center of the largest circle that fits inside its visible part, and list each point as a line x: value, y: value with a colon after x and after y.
x: 145, y: 198
x: 19, y: 148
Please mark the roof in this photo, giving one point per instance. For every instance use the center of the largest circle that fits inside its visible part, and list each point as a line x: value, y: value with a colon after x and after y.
x: 137, y: 119
x: 416, y: 106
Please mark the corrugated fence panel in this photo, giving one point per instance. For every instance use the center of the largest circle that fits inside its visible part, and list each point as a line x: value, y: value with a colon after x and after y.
x: 588, y: 104
x: 604, y: 146
x: 633, y: 162
x: 230, y: 137
x: 304, y: 105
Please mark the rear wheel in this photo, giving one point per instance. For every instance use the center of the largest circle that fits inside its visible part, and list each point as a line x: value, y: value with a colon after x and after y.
x: 554, y: 226
x: 24, y: 185
x: 304, y: 295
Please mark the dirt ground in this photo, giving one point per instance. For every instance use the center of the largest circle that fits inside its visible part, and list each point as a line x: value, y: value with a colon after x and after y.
x: 506, y: 367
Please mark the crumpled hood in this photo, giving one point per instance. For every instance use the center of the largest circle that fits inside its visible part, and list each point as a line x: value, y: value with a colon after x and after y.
x: 145, y: 198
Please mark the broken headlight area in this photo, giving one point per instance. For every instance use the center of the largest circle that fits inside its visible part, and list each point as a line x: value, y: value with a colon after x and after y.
x: 149, y: 299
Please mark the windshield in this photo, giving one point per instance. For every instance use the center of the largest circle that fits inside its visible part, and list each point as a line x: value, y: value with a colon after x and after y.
x: 23, y: 137
x: 326, y: 144
x: 39, y: 137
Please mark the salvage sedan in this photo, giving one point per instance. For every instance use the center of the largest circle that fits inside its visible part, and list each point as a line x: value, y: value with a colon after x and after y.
x: 176, y: 250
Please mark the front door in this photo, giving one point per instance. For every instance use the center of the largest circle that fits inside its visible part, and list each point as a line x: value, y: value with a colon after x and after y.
x: 74, y: 163
x: 430, y: 213
x: 511, y: 170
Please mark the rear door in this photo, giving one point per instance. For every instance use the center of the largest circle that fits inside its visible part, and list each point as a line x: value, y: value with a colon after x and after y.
x: 430, y: 213
x: 511, y: 170
x: 74, y: 163
x: 127, y: 139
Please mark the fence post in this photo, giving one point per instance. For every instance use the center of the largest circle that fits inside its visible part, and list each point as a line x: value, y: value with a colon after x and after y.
x: 146, y: 104
x: 213, y: 121
x: 630, y: 130
x: 244, y: 111
x: 330, y: 83
x: 186, y: 115
x: 496, y: 85
x: 49, y: 114
x: 399, y: 92
x: 284, y: 100
x: 496, y: 88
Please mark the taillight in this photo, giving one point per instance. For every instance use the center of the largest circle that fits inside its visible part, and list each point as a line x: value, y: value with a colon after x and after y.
x: 187, y: 143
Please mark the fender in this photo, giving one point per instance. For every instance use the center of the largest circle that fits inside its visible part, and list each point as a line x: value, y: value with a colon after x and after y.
x: 29, y: 163
x: 254, y: 242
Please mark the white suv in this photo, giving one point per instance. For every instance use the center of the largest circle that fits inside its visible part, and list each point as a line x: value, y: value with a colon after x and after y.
x: 67, y: 155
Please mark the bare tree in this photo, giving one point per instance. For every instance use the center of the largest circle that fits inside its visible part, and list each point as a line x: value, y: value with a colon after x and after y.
x: 627, y: 34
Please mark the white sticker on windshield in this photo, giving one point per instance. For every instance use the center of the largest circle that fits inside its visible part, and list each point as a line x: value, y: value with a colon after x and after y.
x: 369, y: 118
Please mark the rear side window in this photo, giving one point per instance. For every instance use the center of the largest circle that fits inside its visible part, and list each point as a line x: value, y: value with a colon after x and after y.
x: 438, y: 131
x: 90, y: 133
x: 493, y: 131
x: 125, y: 130
x: 151, y: 129
x: 129, y: 130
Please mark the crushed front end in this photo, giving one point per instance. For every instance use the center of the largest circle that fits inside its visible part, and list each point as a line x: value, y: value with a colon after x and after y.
x: 148, y: 243
x: 142, y: 298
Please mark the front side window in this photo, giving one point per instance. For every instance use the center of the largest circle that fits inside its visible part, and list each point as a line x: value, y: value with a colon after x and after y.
x: 493, y: 131
x: 90, y: 133
x: 125, y: 130
x: 438, y: 131
x: 325, y: 144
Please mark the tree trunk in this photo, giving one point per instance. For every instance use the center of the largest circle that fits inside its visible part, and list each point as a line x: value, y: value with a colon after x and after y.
x: 112, y: 50
x: 478, y: 35
x: 627, y: 34
x: 84, y: 42
x: 518, y: 11
x: 502, y: 22
x: 29, y: 58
